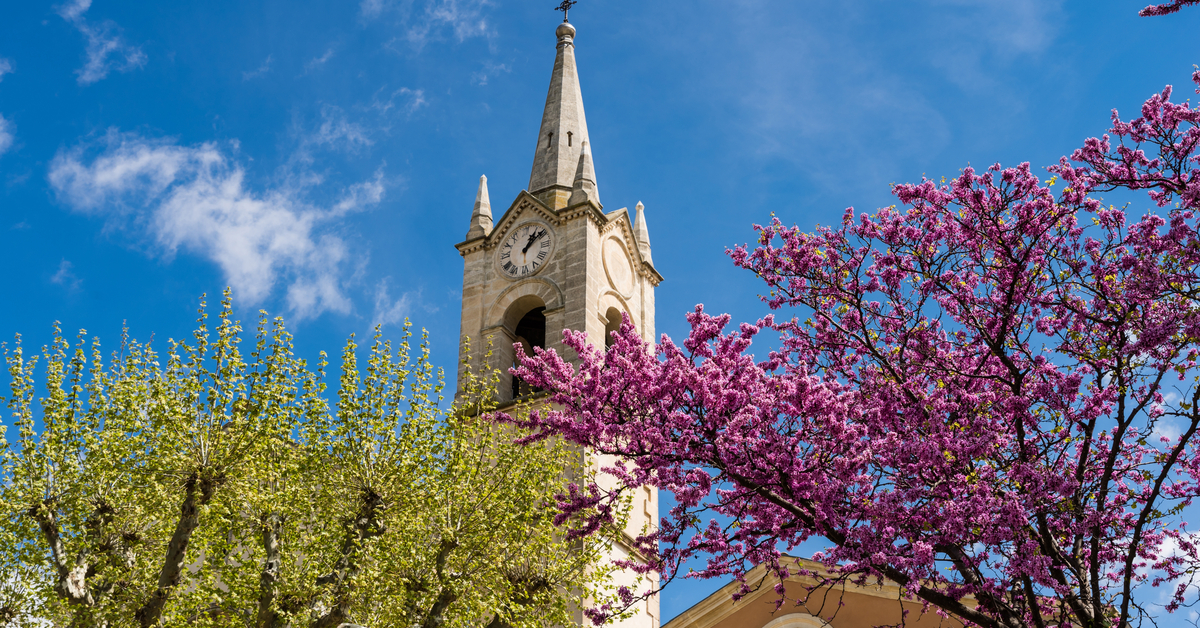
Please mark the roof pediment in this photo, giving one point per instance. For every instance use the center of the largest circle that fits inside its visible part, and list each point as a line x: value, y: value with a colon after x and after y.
x: 812, y: 589
x: 524, y: 206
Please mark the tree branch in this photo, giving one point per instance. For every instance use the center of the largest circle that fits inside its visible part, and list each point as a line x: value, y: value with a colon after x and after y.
x: 268, y: 578
x: 933, y: 596
x: 72, y: 579
x: 446, y: 595
x: 366, y: 525
x: 198, y: 491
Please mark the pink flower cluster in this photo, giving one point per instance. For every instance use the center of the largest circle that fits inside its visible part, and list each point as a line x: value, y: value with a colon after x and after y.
x: 1166, y: 9
x: 989, y: 390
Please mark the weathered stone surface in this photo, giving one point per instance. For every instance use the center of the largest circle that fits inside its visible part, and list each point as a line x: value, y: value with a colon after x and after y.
x: 584, y: 188
x: 641, y: 233
x: 481, y: 216
x: 564, y: 128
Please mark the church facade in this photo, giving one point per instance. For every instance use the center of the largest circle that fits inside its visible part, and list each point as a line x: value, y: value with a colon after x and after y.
x: 556, y: 260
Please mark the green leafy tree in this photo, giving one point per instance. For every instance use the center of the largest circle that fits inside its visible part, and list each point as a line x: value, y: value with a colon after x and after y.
x: 211, y: 487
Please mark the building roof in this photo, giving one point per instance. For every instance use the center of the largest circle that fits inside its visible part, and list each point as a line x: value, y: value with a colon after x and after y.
x: 845, y: 605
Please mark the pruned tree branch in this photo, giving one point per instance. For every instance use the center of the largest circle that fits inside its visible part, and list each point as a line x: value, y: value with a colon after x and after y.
x: 199, y: 489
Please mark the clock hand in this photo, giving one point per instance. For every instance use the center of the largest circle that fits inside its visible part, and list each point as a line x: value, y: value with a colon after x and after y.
x: 533, y: 238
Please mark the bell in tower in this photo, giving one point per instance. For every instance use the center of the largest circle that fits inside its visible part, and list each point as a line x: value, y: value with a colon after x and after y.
x: 554, y: 261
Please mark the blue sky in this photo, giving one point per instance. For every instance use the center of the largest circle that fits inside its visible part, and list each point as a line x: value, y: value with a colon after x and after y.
x: 322, y: 158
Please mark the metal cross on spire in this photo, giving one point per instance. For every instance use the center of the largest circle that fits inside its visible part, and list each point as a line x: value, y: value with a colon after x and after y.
x: 566, y: 6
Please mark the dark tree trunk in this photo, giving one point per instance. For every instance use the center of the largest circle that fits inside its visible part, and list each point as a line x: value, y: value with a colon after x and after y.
x: 199, y: 491
x: 268, y: 580
x: 366, y: 525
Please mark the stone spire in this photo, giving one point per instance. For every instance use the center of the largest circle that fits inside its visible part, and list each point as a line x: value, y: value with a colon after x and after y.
x: 642, y: 234
x: 564, y: 128
x: 481, y: 218
x: 584, y: 188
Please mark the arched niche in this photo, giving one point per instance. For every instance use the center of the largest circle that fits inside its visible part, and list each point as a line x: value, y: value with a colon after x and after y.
x: 797, y: 620
x: 609, y: 308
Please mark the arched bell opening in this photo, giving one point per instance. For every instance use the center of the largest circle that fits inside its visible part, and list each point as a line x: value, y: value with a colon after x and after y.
x: 612, y: 324
x: 530, y: 332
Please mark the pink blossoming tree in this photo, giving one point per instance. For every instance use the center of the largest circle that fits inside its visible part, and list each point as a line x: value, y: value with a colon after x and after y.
x: 990, y: 391
x: 1167, y: 8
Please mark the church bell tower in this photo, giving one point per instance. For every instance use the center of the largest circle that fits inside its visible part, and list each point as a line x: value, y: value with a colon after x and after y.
x: 554, y: 260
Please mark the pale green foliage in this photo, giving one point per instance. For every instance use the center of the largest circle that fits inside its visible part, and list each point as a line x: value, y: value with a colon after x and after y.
x: 210, y: 488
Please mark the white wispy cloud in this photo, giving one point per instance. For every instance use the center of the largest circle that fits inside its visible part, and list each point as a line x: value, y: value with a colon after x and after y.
x: 107, y: 51
x: 372, y: 8
x: 7, y: 128
x: 489, y: 70
x: 336, y: 131
x: 999, y: 32
x: 859, y: 86
x: 74, y: 10
x: 389, y: 311
x: 106, y: 47
x: 259, y: 71
x: 782, y: 109
x: 426, y: 20
x: 1009, y: 27
x: 361, y: 194
x: 404, y: 100
x: 7, y: 135
x: 318, y: 61
x: 1167, y: 427
x: 65, y: 276
x: 464, y: 17
x: 196, y: 199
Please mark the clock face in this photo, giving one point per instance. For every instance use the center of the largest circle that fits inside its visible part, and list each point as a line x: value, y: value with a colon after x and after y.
x: 525, y: 249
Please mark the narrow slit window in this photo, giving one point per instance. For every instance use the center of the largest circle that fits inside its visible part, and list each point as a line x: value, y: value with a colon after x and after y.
x: 549, y: 140
x: 569, y: 134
